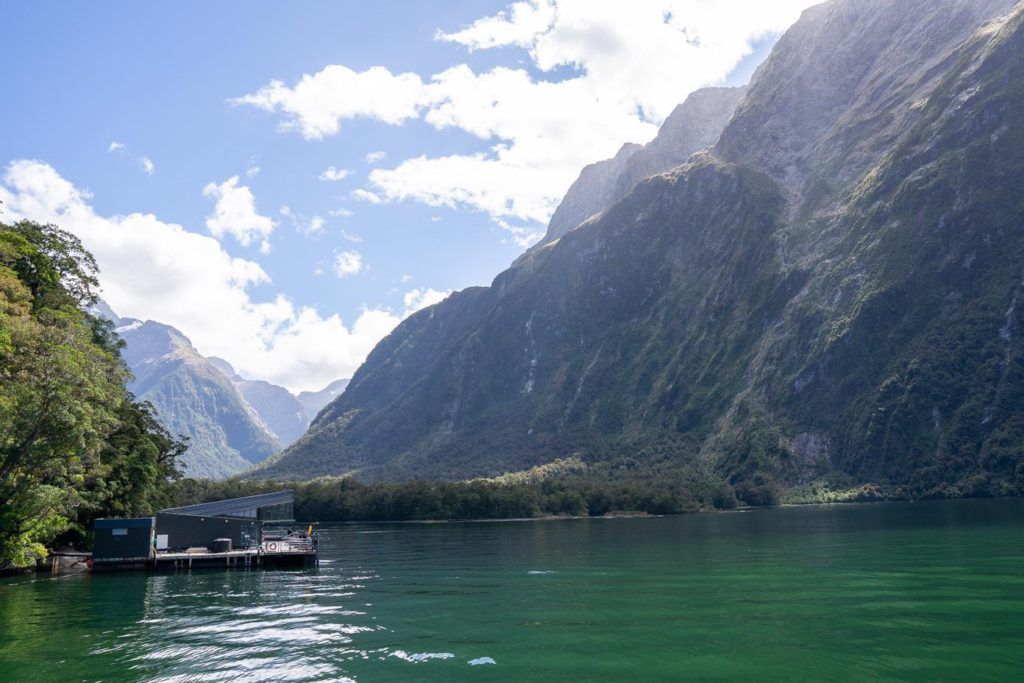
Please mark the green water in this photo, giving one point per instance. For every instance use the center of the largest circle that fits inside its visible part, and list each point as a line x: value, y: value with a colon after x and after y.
x: 922, y: 591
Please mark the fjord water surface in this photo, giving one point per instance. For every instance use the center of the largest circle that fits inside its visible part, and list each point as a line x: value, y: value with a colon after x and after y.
x: 901, y: 591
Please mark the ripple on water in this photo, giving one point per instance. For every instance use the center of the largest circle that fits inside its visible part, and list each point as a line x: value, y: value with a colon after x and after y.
x: 298, y: 609
x: 417, y: 657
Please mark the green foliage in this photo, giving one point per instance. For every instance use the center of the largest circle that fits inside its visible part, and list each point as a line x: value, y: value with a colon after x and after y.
x: 333, y: 499
x: 71, y: 438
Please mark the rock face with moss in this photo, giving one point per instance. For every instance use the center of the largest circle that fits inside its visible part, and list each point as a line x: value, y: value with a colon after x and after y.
x: 833, y: 291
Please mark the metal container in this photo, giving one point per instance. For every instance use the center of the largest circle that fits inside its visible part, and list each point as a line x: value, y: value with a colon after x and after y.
x: 220, y: 545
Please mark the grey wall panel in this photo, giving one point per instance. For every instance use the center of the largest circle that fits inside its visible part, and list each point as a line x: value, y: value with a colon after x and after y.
x: 187, y: 531
x: 122, y: 539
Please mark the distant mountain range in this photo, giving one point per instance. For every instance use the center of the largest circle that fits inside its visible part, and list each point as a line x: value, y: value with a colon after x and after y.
x: 829, y: 288
x: 232, y: 423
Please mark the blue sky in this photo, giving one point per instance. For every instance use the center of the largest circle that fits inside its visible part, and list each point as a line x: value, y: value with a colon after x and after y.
x: 481, y: 113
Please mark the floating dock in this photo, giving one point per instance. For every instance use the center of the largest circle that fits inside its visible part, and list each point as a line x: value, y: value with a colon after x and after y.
x: 240, y: 533
x: 297, y: 555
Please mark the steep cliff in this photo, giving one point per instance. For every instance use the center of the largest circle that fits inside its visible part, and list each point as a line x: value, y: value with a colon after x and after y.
x: 831, y: 291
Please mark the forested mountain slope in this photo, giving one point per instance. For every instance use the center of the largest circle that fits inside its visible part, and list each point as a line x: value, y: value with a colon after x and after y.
x: 832, y: 291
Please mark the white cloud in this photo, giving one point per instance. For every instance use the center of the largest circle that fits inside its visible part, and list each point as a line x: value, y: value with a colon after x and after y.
x: 235, y: 213
x: 252, y: 171
x: 630, y: 65
x: 332, y: 173
x: 315, y: 226
x: 521, y: 235
x: 366, y: 196
x: 418, y: 299
x: 311, y: 226
x: 318, y: 104
x: 376, y: 157
x: 145, y: 163
x: 150, y: 269
x: 651, y: 53
x: 350, y: 236
x: 348, y: 263
x: 519, y: 25
x: 342, y: 212
x: 406, y: 278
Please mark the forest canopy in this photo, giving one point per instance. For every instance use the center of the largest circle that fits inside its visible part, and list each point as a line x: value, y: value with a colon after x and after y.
x: 74, y: 443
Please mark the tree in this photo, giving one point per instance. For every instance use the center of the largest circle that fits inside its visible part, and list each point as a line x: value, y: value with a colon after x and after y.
x: 70, y: 434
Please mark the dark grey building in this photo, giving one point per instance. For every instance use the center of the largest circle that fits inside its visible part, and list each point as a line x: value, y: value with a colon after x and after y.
x: 180, y: 532
x: 239, y: 519
x: 123, y: 540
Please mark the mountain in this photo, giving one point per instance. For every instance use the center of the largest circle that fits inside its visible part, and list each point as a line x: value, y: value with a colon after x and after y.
x: 287, y: 415
x: 194, y: 398
x: 590, y: 193
x: 314, y: 401
x: 829, y: 293
x: 232, y: 422
x: 277, y: 407
x: 692, y: 126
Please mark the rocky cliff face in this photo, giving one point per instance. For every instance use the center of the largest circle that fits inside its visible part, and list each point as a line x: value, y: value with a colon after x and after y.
x: 590, y: 193
x: 831, y: 291
x: 693, y: 125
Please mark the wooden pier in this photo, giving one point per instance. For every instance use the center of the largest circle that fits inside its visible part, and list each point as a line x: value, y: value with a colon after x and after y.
x: 234, y: 559
x: 250, y: 558
x: 271, y: 554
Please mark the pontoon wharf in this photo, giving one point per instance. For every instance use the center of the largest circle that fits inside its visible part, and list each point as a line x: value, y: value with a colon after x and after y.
x: 250, y: 532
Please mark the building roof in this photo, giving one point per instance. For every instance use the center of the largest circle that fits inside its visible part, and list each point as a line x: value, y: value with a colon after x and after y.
x: 235, y: 506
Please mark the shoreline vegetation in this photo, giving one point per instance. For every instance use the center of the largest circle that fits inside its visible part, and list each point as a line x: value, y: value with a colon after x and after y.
x: 339, y: 499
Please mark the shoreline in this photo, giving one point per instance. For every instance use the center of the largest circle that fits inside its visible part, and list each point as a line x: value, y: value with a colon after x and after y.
x: 645, y: 515
x: 72, y: 566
